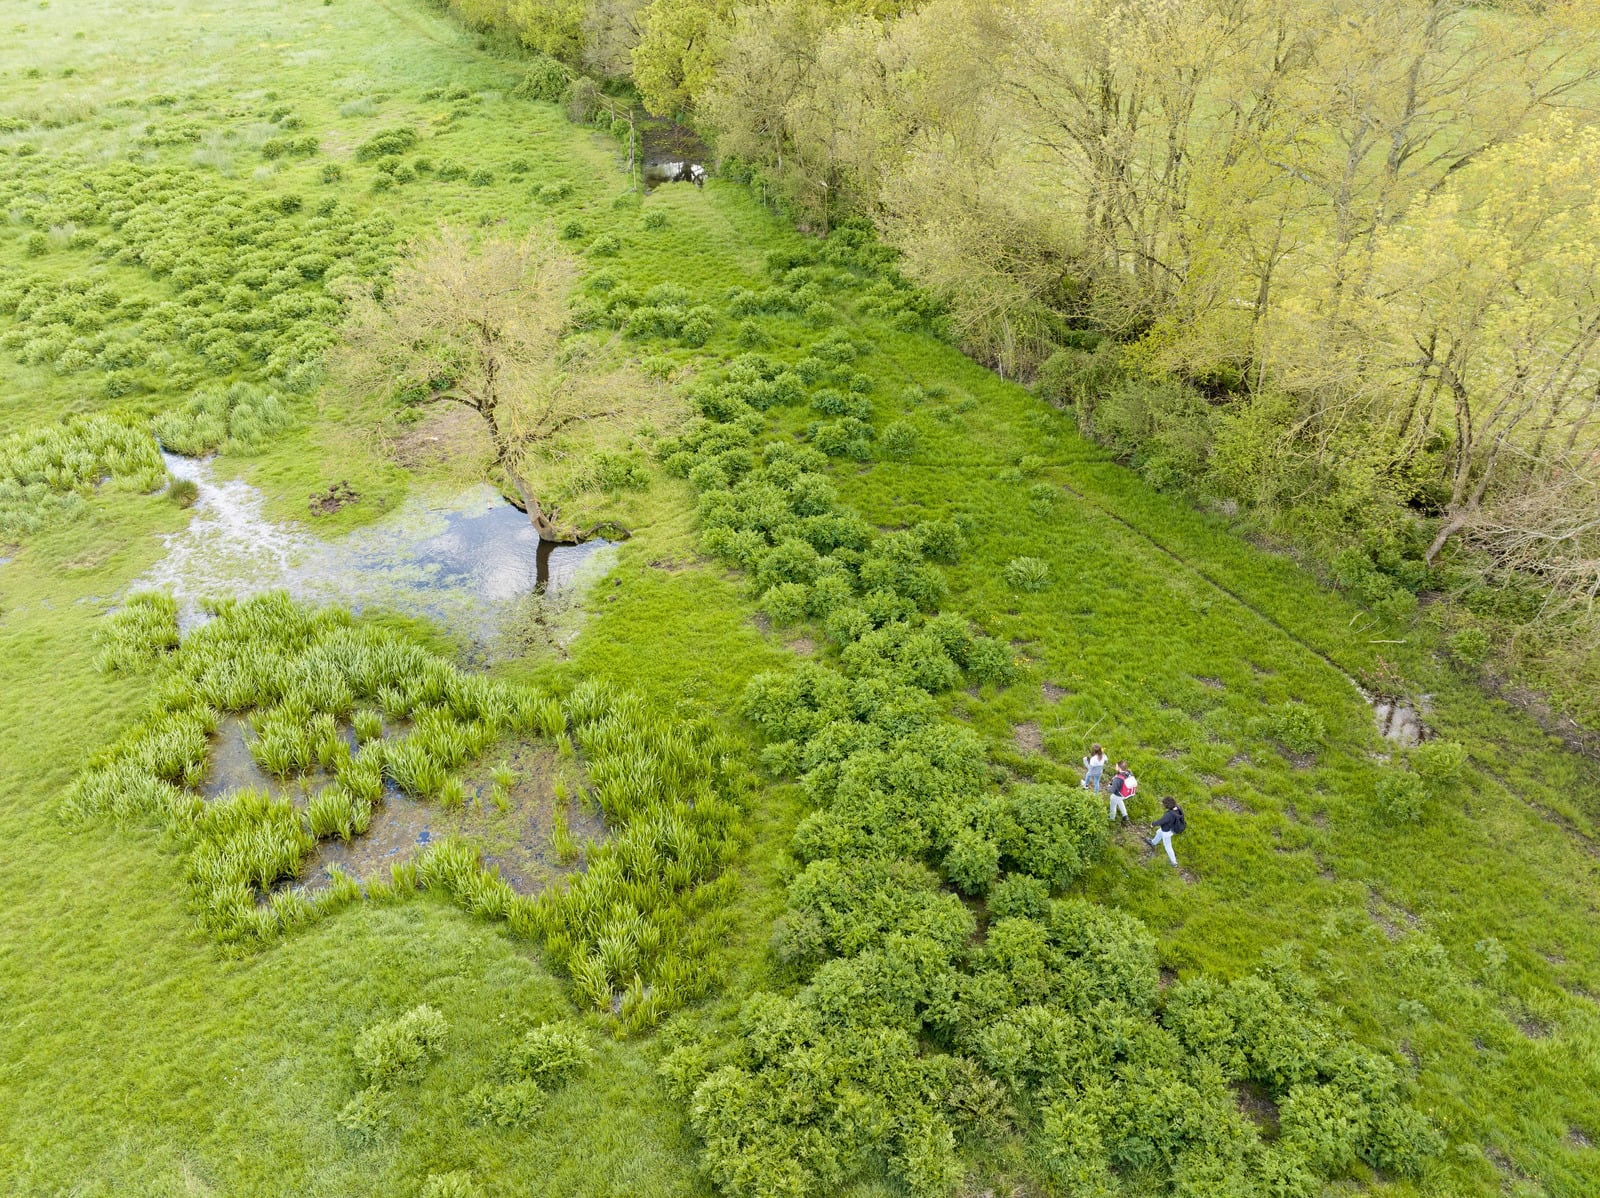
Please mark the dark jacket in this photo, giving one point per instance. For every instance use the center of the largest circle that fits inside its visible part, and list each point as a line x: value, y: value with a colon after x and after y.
x: 1171, y: 821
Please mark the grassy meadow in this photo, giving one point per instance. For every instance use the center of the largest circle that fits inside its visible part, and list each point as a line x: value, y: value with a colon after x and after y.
x: 141, y: 1054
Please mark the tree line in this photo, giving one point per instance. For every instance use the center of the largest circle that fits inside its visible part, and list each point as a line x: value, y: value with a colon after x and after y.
x: 1331, y: 263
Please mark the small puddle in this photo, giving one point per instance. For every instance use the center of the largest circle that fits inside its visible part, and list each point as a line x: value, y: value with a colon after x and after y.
x: 670, y: 153
x: 656, y: 173
x: 457, y: 558
x: 1399, y: 722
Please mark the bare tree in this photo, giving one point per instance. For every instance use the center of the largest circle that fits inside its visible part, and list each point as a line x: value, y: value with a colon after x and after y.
x: 479, y: 323
x: 1549, y: 529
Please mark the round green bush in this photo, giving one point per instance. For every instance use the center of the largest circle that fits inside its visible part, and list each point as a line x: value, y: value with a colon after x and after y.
x: 973, y: 861
x: 899, y: 441
x: 1438, y: 763
x: 1297, y: 727
x: 572, y: 230
x: 654, y: 219
x: 607, y: 245
x: 1400, y: 797
x: 786, y: 603
x: 1019, y: 895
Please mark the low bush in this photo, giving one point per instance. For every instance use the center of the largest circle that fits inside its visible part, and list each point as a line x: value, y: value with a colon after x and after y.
x: 398, y: 1050
x: 457, y: 1183
x: 1027, y: 574
x: 387, y: 144
x: 1401, y: 796
x: 366, y: 1116
x: 1297, y: 727
x: 550, y: 1055
x: 1469, y: 646
x: 1439, y: 763
x: 507, y: 1105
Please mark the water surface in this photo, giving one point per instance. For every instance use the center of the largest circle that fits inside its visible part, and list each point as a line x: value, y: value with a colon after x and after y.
x: 458, y: 557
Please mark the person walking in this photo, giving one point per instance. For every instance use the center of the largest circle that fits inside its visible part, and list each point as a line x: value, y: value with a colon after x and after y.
x: 1093, y: 766
x: 1123, y: 787
x: 1169, y: 825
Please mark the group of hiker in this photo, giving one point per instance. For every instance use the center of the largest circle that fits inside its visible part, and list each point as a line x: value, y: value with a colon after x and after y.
x: 1122, y: 787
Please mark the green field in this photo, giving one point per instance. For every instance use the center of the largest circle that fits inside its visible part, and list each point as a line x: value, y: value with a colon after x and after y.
x: 149, y: 1046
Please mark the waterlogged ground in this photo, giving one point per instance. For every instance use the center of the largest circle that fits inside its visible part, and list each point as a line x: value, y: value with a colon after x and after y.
x: 460, y: 557
x: 515, y: 825
x: 136, y: 1059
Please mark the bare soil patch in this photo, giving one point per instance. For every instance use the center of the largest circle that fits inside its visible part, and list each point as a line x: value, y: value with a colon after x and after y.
x: 1229, y: 803
x: 514, y: 835
x: 1256, y: 1105
x: 1211, y: 683
x: 1533, y: 1028
x: 804, y: 646
x: 449, y: 432
x: 1054, y: 693
x: 340, y: 495
x: 1028, y: 737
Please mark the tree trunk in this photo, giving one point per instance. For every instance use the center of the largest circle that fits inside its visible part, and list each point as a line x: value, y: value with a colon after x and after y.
x: 544, y: 523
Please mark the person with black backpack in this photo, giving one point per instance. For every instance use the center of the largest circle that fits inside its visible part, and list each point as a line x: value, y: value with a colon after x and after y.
x: 1169, y: 825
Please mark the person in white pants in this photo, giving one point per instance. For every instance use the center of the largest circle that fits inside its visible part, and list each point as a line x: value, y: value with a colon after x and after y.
x: 1123, y: 787
x: 1171, y: 822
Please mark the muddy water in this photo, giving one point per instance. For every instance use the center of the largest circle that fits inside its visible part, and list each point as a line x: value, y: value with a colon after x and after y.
x: 456, y: 557
x: 232, y: 768
x: 515, y: 840
x: 515, y: 837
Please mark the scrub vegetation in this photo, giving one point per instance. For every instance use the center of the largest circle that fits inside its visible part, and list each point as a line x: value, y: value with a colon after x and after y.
x: 828, y: 911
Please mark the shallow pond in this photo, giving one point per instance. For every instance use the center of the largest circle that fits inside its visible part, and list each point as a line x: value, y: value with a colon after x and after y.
x: 456, y: 557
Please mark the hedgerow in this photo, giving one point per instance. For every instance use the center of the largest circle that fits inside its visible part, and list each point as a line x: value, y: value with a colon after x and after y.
x: 636, y: 930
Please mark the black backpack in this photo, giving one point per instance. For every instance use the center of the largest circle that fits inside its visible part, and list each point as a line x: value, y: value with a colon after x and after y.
x: 1180, y: 824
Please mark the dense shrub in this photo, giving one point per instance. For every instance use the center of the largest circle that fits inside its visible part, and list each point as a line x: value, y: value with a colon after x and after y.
x: 387, y: 144
x: 546, y: 79
x: 398, y: 1049
x: 1297, y: 727
x: 1060, y: 830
